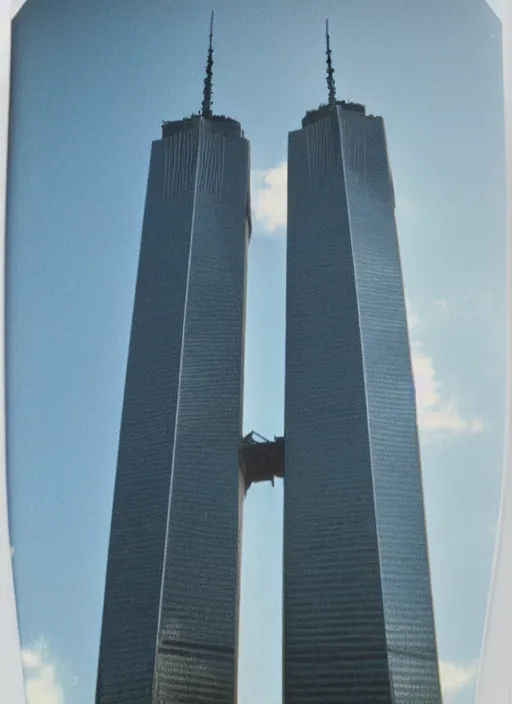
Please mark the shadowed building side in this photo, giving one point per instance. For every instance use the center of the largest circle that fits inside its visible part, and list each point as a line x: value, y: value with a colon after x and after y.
x: 170, y: 617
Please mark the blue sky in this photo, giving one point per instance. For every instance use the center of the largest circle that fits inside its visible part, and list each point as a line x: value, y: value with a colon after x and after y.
x: 92, y: 81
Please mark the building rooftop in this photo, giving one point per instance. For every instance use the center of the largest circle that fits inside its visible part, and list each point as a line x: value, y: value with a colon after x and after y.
x: 322, y: 111
x: 231, y: 126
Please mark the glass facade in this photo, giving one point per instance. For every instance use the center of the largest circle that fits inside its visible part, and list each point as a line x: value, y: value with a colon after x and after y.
x: 170, y: 622
x: 358, y: 617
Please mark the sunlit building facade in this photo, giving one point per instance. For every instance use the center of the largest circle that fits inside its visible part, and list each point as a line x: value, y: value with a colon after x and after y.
x: 358, y: 615
x: 170, y: 621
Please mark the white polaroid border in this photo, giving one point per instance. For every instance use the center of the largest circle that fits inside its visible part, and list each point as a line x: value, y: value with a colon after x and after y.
x: 494, y: 683
x: 495, y: 673
x: 12, y: 687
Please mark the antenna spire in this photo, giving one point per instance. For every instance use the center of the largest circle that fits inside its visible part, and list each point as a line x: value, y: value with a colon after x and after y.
x: 206, y: 108
x: 330, y: 71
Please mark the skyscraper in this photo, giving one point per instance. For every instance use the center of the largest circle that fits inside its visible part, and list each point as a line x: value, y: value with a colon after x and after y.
x: 170, y: 621
x: 358, y: 617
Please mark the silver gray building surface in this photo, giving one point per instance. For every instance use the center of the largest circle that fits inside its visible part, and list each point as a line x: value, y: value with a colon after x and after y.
x: 358, y: 617
x: 170, y: 621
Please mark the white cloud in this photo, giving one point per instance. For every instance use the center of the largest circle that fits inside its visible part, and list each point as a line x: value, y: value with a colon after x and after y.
x: 31, y: 659
x: 407, y: 209
x: 42, y: 684
x: 269, y: 197
x: 455, y: 678
x: 442, y: 306
x: 413, y: 320
x: 438, y: 416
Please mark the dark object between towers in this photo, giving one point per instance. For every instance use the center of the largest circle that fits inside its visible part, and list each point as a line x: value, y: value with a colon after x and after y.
x: 261, y: 460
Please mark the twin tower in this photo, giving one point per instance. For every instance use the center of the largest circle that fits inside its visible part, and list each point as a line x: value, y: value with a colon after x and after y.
x: 358, y: 621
